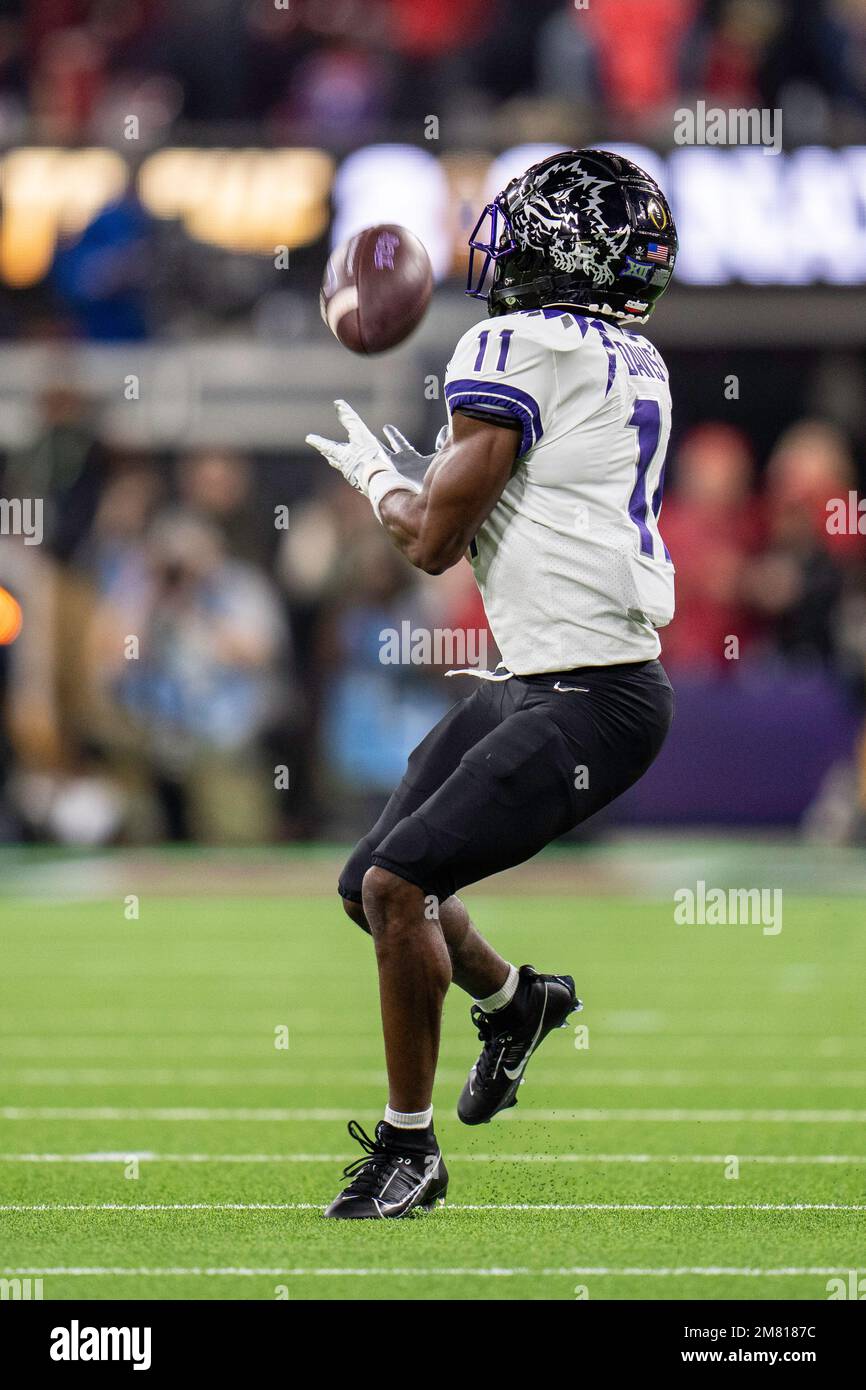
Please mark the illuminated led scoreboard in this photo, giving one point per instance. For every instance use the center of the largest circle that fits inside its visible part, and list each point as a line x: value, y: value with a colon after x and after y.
x: 744, y: 214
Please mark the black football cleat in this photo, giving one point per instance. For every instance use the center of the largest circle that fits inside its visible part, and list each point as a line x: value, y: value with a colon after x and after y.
x: 510, y: 1036
x: 400, y: 1172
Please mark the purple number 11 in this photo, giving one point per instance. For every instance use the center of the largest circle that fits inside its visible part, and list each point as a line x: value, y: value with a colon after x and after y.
x: 504, y: 345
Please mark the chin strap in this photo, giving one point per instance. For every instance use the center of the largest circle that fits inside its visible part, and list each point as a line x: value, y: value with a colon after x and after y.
x: 544, y: 287
x: 549, y: 290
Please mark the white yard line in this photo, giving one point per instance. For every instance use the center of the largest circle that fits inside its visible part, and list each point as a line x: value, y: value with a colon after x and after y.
x: 203, y: 1048
x: 188, y: 1114
x: 429, y: 1271
x: 452, y: 1206
x: 278, y: 1077
x: 148, y: 1156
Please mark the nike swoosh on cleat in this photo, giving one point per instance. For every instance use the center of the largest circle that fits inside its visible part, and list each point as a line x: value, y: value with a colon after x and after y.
x: 513, y: 1075
x: 387, y: 1185
x: 410, y: 1197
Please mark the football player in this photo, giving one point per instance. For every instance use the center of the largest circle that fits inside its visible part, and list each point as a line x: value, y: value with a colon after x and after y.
x: 550, y: 478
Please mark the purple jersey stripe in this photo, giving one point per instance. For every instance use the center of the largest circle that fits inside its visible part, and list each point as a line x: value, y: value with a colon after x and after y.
x: 499, y: 396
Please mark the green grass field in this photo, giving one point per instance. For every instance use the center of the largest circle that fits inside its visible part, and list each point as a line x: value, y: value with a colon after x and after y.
x: 148, y: 1047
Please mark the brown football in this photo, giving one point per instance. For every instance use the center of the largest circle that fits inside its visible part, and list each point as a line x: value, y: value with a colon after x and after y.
x: 376, y: 288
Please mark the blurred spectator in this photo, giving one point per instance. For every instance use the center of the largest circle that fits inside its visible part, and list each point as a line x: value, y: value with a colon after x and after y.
x: 374, y: 713
x: 31, y: 720
x: 207, y: 41
x: 188, y: 650
x: 68, y: 78
x: 347, y: 586
x: 55, y: 791
x: 810, y: 465
x: 797, y: 583
x: 439, y: 26
x: 339, y: 90
x: 495, y: 48
x: 321, y: 68
x: 217, y: 486
x: 843, y: 52
x: 637, y: 51
x: 726, y: 57
x: 567, y: 55
x: 101, y: 276
x: 116, y: 543
x: 711, y: 526
x: 64, y: 467
x: 12, y: 69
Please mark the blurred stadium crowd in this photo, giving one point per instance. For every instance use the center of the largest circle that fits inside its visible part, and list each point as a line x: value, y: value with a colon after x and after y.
x: 336, y: 74
x: 343, y: 68
x: 186, y: 669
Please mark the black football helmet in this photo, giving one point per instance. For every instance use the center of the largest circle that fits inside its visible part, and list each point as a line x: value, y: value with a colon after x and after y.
x: 585, y: 229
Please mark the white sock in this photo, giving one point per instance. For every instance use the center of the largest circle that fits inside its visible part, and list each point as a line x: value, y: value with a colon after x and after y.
x: 418, y: 1119
x: 502, y: 996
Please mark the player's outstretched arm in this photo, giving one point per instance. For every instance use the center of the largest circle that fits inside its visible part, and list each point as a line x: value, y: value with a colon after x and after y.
x: 433, y: 528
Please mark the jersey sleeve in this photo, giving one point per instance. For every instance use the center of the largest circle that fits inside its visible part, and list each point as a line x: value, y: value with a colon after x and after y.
x: 504, y: 374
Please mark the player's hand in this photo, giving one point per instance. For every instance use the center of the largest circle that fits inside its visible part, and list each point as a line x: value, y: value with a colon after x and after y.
x: 361, y: 456
x: 408, y: 462
x: 405, y: 457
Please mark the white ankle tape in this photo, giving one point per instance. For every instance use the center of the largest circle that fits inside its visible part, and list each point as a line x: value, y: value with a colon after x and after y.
x: 416, y: 1119
x: 502, y: 996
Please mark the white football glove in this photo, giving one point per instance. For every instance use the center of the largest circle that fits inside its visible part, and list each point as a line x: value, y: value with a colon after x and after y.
x: 360, y: 457
x: 363, y: 461
x: 405, y: 457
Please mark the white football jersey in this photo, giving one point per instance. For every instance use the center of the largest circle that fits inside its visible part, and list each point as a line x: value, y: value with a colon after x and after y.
x: 570, y: 563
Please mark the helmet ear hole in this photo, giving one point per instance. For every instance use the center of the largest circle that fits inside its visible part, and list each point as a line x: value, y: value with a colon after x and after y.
x: 584, y: 227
